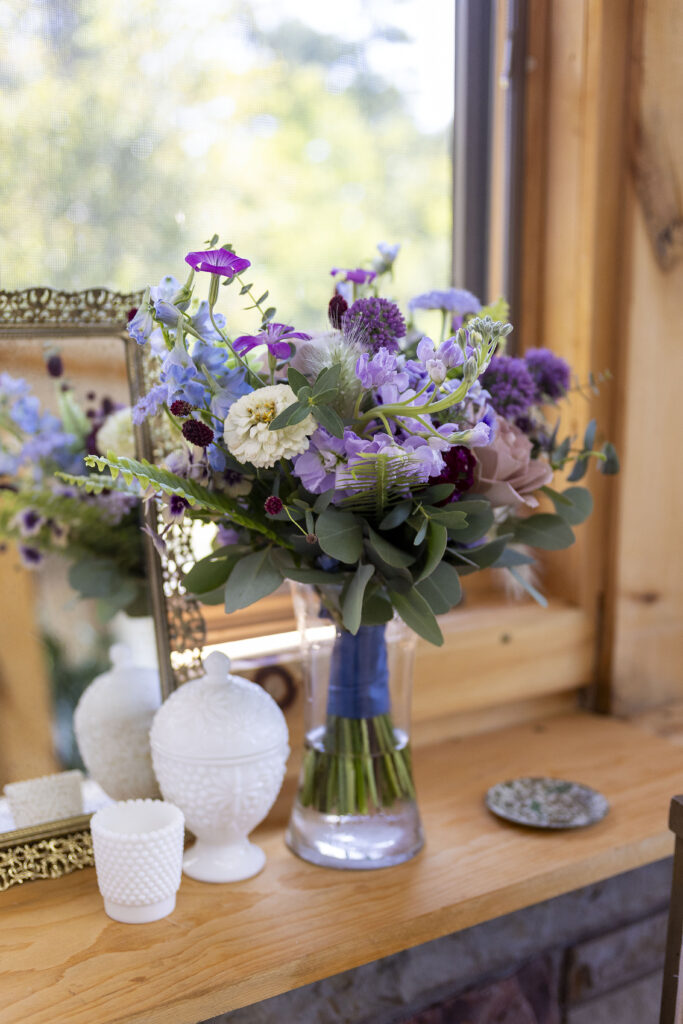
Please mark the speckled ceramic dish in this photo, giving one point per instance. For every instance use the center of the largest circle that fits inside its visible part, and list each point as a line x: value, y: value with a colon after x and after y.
x: 547, y: 803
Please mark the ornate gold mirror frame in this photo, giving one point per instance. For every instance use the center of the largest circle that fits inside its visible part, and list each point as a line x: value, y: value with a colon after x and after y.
x: 60, y: 847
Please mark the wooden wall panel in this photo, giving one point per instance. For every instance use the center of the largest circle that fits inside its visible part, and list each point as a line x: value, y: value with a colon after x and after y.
x: 648, y: 647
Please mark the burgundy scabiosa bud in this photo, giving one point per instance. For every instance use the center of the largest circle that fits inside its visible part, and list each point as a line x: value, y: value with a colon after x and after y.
x: 130, y: 315
x: 54, y: 365
x: 181, y: 408
x: 197, y: 433
x: 336, y: 309
x: 273, y: 505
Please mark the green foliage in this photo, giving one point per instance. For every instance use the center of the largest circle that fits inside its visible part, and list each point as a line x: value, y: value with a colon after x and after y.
x: 574, y: 504
x: 545, y: 531
x: 352, y: 601
x: 252, y: 577
x: 441, y: 589
x: 340, y: 535
x: 416, y: 613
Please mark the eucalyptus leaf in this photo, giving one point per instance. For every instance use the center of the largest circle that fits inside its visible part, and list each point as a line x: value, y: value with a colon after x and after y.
x: 398, y: 514
x: 322, y: 501
x: 546, y: 531
x: 251, y: 579
x: 452, y: 518
x: 575, y: 504
x: 327, y: 379
x: 352, y: 602
x: 441, y: 590
x: 589, y: 436
x: 388, y: 552
x: 437, y: 538
x: 416, y: 613
x: 436, y: 493
x: 377, y: 609
x: 421, y: 533
x: 340, y: 535
x: 296, y: 380
x: 479, y: 520
x: 314, y: 576
x: 294, y: 413
x: 610, y: 467
x: 209, y: 573
x: 578, y: 470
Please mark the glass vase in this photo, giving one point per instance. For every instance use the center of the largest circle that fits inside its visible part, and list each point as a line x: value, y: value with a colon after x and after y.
x: 356, y: 806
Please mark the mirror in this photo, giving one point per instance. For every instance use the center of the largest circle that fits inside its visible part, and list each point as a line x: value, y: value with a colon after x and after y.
x: 72, y: 569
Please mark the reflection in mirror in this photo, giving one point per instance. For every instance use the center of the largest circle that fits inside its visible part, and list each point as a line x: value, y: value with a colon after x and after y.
x: 72, y: 583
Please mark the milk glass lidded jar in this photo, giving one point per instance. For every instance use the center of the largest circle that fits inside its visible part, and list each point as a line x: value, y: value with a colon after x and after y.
x: 219, y: 748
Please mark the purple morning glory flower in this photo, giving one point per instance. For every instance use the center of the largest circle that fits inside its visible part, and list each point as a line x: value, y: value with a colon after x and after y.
x: 451, y: 300
x: 276, y: 336
x: 551, y: 374
x: 376, y: 323
x: 218, y: 261
x: 357, y: 276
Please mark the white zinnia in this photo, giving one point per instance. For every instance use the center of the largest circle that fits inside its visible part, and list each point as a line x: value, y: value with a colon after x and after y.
x: 116, y: 434
x: 246, y: 428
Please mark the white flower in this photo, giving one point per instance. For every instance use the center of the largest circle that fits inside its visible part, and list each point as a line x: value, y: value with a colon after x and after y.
x: 246, y: 428
x: 116, y: 434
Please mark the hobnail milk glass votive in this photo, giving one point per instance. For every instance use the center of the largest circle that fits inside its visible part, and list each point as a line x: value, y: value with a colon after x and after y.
x: 138, y: 846
x: 47, y: 798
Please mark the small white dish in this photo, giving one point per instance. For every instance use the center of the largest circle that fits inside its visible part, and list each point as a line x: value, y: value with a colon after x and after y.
x: 138, y: 846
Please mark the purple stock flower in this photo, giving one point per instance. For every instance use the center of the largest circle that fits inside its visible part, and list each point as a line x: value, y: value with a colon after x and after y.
x: 551, y: 374
x: 316, y: 467
x: 217, y: 261
x: 357, y: 276
x: 373, y: 371
x: 451, y: 300
x: 375, y: 323
x: 276, y: 336
x: 511, y: 386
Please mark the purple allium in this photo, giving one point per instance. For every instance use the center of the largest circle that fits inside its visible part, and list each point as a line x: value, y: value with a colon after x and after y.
x: 181, y: 408
x: 276, y: 336
x: 459, y: 470
x: 273, y: 505
x: 452, y: 300
x: 357, y: 276
x: 376, y: 323
x: 336, y: 309
x: 217, y: 261
x: 55, y: 365
x: 551, y: 374
x: 511, y: 386
x: 197, y: 433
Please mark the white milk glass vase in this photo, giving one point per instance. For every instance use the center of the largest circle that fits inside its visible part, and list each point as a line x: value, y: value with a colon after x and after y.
x: 356, y: 806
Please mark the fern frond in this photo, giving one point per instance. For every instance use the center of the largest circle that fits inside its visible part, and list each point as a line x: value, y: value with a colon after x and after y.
x: 380, y: 480
x: 196, y: 495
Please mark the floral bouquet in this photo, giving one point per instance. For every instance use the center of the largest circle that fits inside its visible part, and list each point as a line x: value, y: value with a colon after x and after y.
x: 98, y: 534
x: 367, y: 460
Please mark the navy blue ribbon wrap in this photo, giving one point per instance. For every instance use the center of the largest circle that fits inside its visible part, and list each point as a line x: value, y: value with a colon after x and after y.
x: 359, y: 674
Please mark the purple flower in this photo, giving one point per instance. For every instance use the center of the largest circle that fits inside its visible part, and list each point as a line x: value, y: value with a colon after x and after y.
x: 29, y: 522
x: 31, y: 558
x: 54, y: 365
x: 336, y: 309
x: 376, y: 323
x: 234, y: 386
x: 373, y: 371
x: 459, y: 463
x: 174, y: 509
x: 226, y: 535
x: 217, y: 261
x: 276, y: 336
x: 150, y: 403
x: 273, y: 505
x: 447, y: 353
x: 167, y: 313
x: 357, y: 276
x: 12, y: 387
x: 203, y: 324
x: 551, y: 374
x: 511, y: 386
x: 157, y: 540
x: 316, y: 467
x: 451, y: 300
x: 142, y: 325
x: 26, y: 413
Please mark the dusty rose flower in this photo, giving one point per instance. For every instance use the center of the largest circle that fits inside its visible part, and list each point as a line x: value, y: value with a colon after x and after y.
x: 505, y: 472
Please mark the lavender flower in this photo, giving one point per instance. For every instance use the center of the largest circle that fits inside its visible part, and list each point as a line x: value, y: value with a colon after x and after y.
x: 316, y: 467
x: 450, y: 300
x: 375, y: 323
x: 551, y: 374
x: 373, y: 371
x: 218, y: 261
x: 511, y: 386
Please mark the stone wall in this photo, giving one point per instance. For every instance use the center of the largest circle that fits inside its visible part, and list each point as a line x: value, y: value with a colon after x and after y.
x: 593, y: 956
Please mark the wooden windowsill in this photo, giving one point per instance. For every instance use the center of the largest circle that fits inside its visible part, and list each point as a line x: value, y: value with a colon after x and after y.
x: 62, y: 961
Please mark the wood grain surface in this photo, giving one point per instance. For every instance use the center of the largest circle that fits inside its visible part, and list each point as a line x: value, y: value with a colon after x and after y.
x: 62, y: 961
